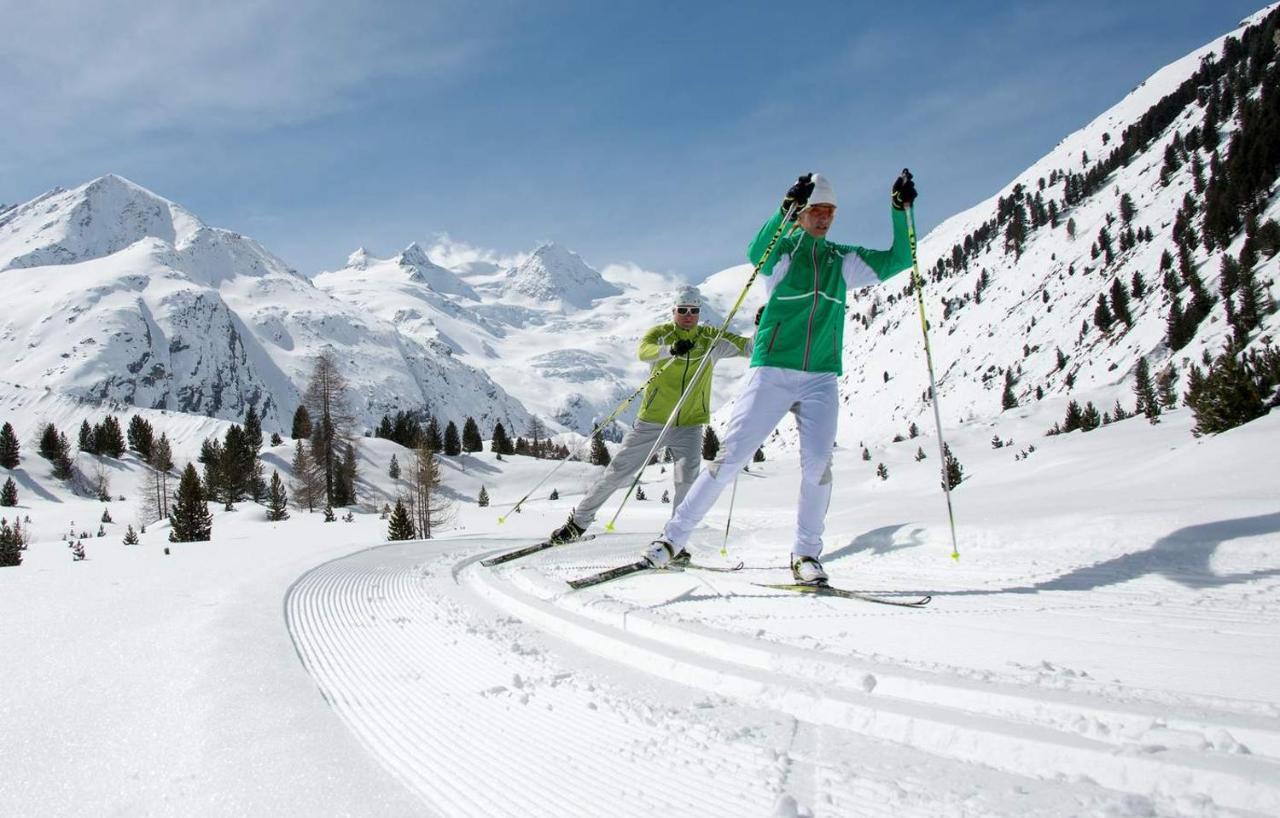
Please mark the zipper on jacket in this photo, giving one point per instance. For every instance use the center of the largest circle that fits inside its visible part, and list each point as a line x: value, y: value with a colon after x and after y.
x: 808, y: 338
x: 683, y: 376
x: 773, y: 336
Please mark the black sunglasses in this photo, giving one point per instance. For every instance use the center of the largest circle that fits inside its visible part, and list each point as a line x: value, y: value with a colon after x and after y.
x: 686, y: 310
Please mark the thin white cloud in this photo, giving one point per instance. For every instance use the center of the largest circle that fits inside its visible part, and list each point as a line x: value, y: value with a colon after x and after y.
x: 630, y: 275
x: 459, y: 255
x: 123, y: 68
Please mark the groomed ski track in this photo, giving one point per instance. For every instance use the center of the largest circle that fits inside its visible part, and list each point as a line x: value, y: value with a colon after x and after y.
x: 500, y: 692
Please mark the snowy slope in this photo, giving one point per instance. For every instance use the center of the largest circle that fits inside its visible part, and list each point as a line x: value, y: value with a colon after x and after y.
x: 1003, y: 698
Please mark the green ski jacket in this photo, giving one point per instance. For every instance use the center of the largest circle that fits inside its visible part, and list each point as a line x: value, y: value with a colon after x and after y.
x: 662, y: 393
x: 802, y: 326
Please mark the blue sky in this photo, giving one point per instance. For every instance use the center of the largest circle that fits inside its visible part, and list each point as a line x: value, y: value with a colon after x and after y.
x: 657, y: 134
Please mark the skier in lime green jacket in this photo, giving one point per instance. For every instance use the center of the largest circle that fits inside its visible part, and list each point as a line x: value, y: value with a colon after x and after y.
x: 797, y: 358
x: 677, y: 348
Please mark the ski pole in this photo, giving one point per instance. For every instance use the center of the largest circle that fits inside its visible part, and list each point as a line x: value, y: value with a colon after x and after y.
x: 733, y: 495
x: 619, y: 409
x: 918, y: 282
x: 697, y: 373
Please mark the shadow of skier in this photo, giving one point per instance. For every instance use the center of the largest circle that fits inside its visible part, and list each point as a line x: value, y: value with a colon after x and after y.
x: 878, y: 541
x: 1182, y: 556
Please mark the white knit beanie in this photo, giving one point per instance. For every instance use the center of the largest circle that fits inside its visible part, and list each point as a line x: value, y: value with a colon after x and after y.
x: 823, y: 192
x: 688, y: 297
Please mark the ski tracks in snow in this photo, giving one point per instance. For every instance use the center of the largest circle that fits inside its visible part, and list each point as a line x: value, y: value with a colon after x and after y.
x: 498, y: 693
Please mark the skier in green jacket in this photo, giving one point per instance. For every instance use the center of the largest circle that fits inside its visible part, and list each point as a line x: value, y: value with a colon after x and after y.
x: 678, y: 348
x: 797, y: 358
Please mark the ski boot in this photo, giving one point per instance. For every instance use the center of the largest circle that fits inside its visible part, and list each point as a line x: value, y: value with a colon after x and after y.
x: 662, y: 554
x: 567, y: 533
x: 807, y: 571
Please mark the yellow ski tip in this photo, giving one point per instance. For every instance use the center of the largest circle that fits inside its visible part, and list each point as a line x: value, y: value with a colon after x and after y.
x: 502, y: 521
x: 609, y: 527
x: 955, y: 555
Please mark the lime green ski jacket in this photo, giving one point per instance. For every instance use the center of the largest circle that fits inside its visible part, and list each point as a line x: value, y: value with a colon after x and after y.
x: 664, y: 391
x: 802, y: 326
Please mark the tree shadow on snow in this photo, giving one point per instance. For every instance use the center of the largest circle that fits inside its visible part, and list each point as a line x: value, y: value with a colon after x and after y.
x: 1182, y: 556
x: 877, y: 541
x: 26, y: 483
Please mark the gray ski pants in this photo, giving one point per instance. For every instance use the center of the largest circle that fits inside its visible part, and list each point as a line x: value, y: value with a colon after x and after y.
x: 685, y: 443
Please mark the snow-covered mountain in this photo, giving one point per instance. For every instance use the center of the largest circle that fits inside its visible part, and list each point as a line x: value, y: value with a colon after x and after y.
x: 116, y: 294
x: 553, y: 275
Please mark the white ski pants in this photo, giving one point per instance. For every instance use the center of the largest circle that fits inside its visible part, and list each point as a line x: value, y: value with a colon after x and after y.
x: 766, y: 398
x: 685, y: 443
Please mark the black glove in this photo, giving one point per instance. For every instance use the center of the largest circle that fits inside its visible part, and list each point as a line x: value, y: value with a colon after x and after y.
x: 759, y: 313
x: 681, y: 347
x: 798, y: 194
x: 904, y: 191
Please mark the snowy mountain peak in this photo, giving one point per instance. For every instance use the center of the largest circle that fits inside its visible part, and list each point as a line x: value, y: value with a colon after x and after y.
x: 554, y: 273
x: 414, y: 255
x: 91, y: 221
x: 359, y: 260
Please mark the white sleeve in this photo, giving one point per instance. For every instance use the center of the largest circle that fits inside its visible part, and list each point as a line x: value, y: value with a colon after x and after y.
x: 857, y: 273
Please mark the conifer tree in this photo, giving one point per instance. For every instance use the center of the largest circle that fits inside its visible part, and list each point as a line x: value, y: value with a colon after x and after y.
x: 328, y: 512
x: 434, y: 440
x: 109, y: 437
x: 9, y: 447
x: 326, y: 399
x: 758, y: 457
x: 710, y: 444
x: 1137, y: 286
x: 1102, y: 318
x: 401, y: 526
x: 347, y: 476
x: 393, y: 471
x: 954, y: 472
x: 1228, y: 396
x: 501, y: 443
x: 10, y: 544
x: 1073, y: 418
x: 9, y: 494
x: 190, y: 519
x: 1120, y: 302
x: 277, y: 499
x: 866, y: 454
x: 49, y: 443
x: 452, y: 443
x: 1008, y: 400
x: 130, y: 536
x: 141, y: 436
x: 308, y: 485
x: 599, y: 452
x: 86, y: 441
x: 1178, y: 333
x: 640, y: 495
x: 1167, y: 387
x: 555, y: 494
x: 301, y: 424
x: 471, y: 441
x: 882, y: 471
x: 666, y: 496
x: 211, y: 459
x: 159, y: 466
x: 483, y: 499
x: 920, y: 455
x: 1089, y: 418
x: 62, y: 465
x: 253, y: 441
x: 1145, y: 392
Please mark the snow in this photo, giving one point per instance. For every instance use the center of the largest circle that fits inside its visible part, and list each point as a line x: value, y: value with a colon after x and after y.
x: 1107, y: 643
